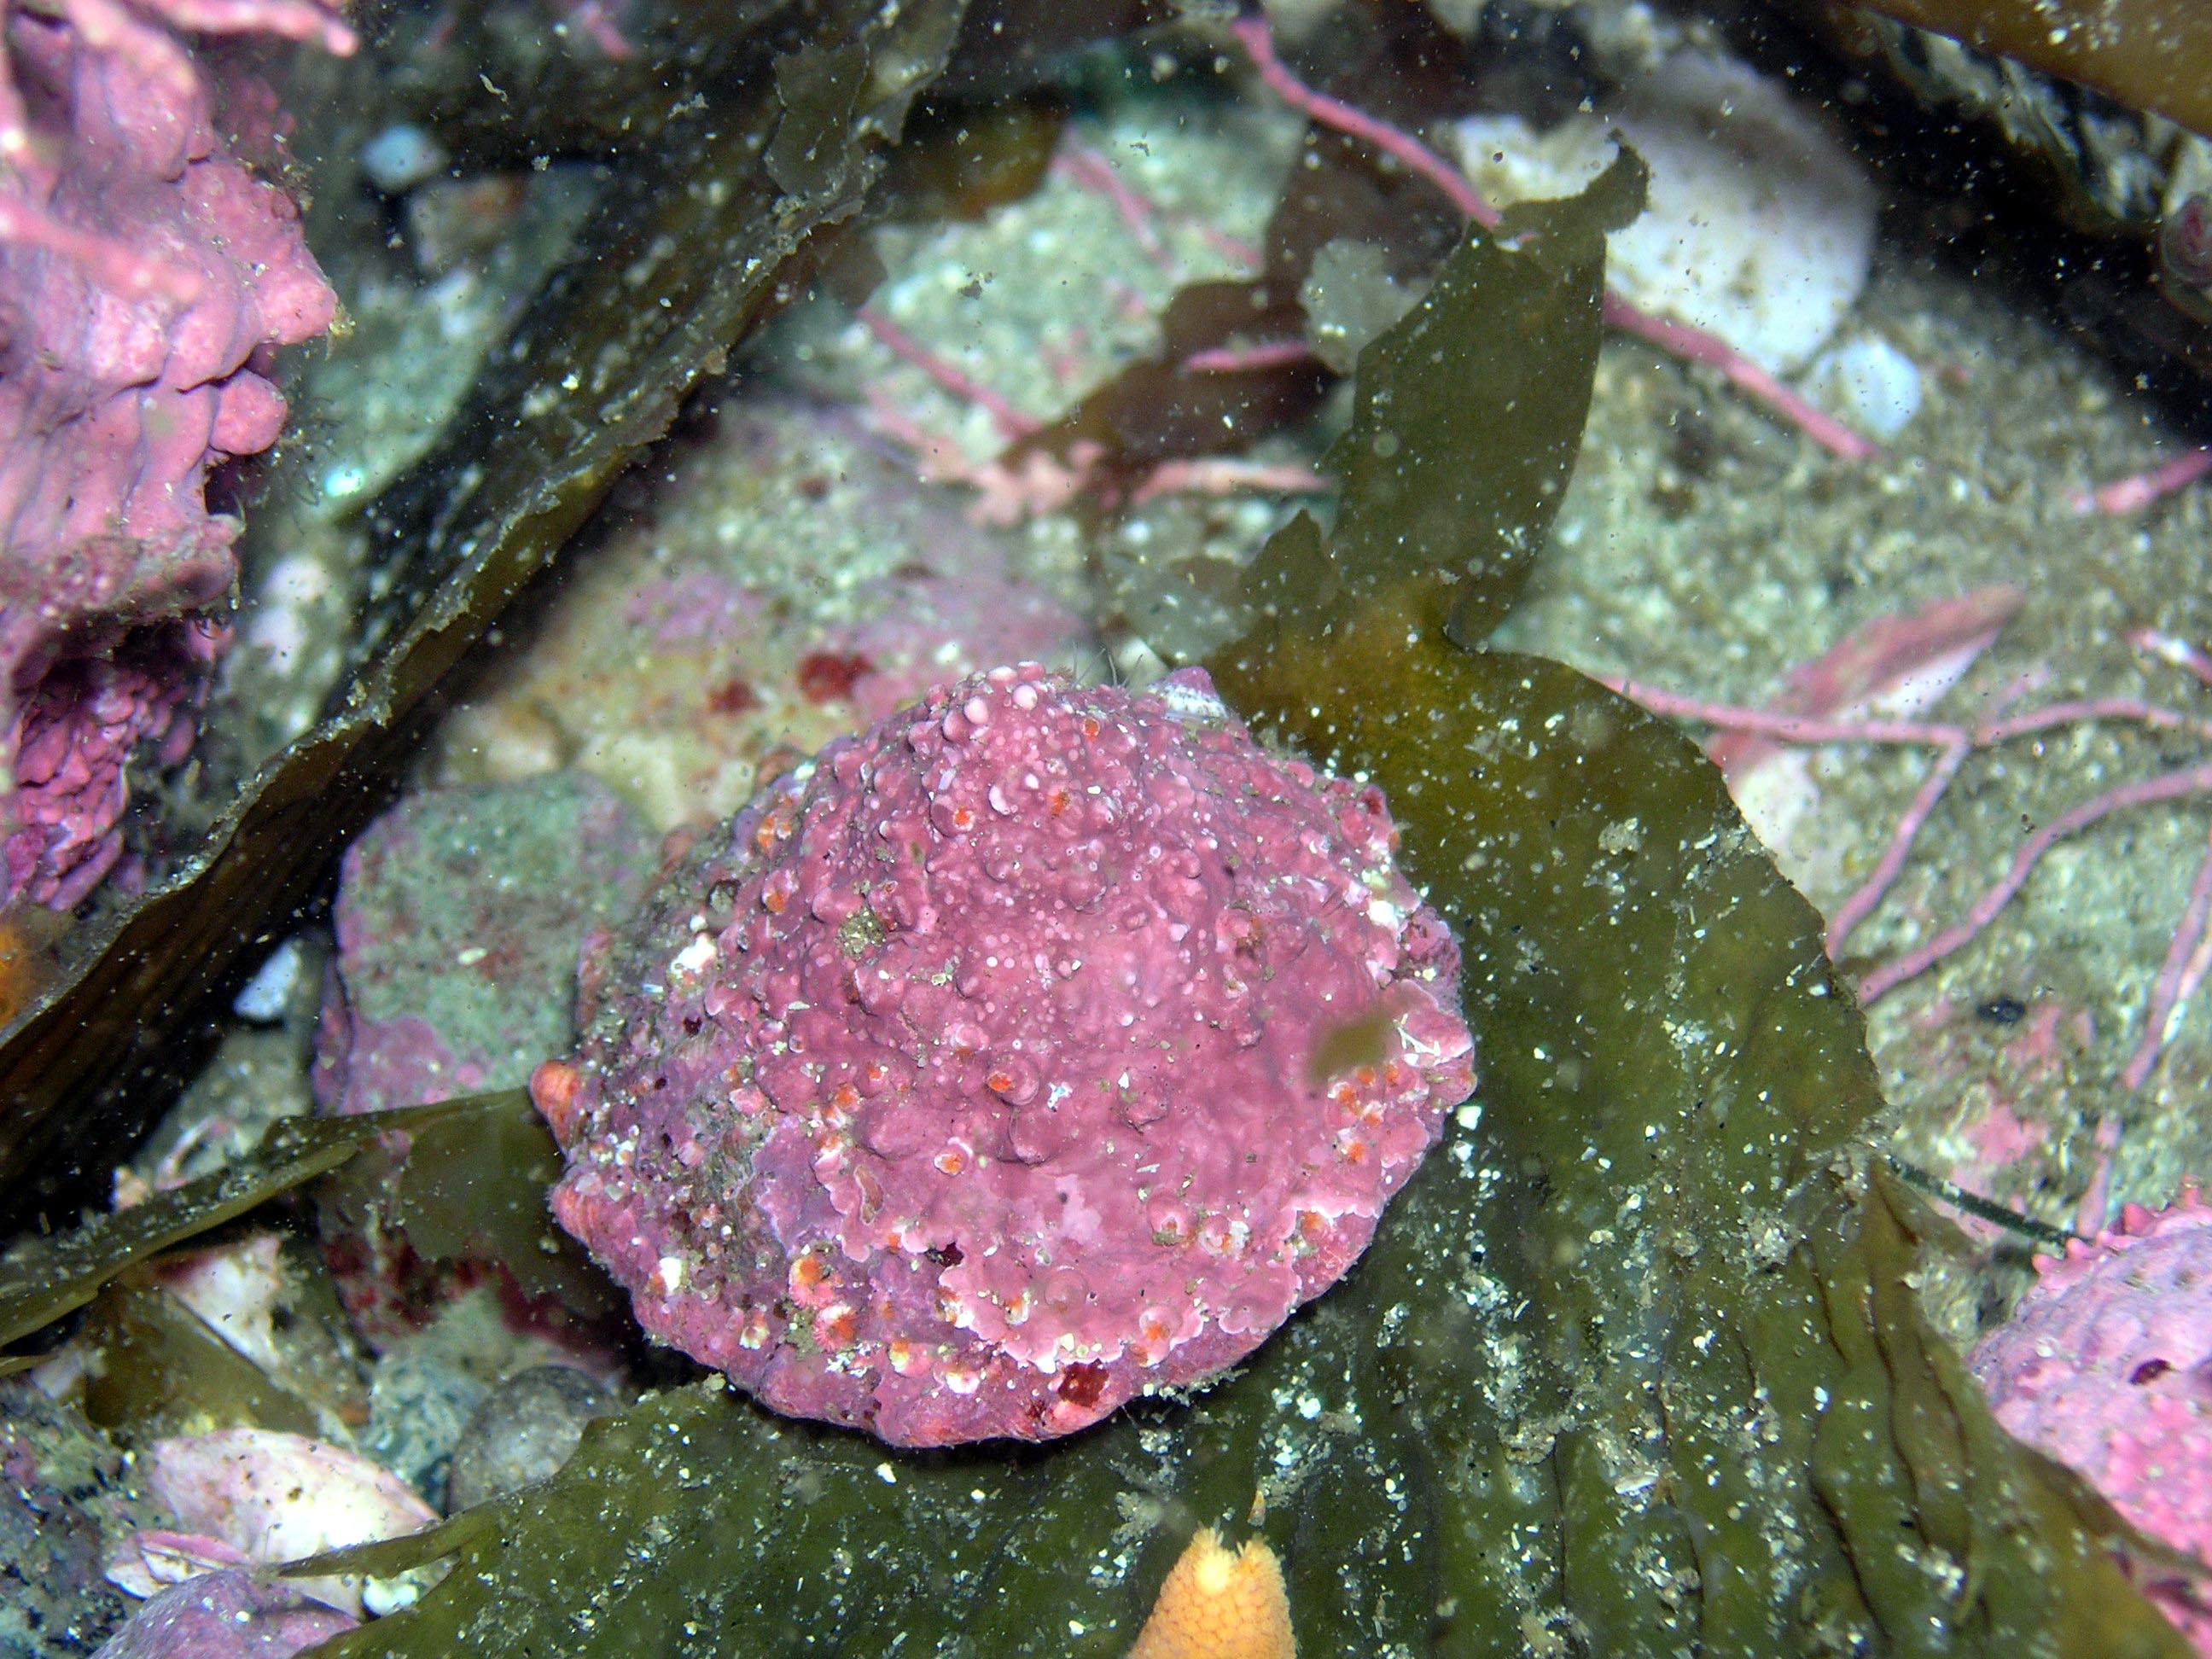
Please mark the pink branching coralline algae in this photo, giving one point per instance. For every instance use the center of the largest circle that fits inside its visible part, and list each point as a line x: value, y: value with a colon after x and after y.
x: 1042, y: 1047
x: 2107, y: 1367
x: 146, y: 276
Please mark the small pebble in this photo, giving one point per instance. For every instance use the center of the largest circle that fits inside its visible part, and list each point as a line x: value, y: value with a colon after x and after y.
x: 420, y: 1406
x: 523, y: 1432
x: 1871, y: 383
x: 265, y: 997
x: 401, y: 157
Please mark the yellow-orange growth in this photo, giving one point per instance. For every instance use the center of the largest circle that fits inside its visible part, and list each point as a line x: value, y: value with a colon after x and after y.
x: 1214, y: 1605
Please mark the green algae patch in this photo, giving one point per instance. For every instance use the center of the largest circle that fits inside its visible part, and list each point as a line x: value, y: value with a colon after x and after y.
x: 44, y: 1279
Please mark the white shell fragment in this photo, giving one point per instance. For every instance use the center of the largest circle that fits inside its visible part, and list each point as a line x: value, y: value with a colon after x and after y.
x: 280, y: 1497
x: 1759, y: 225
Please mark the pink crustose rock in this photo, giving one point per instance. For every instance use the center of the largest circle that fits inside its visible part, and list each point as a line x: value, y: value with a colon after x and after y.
x: 146, y: 276
x: 989, y: 1070
x: 2107, y: 1367
x: 226, y: 1614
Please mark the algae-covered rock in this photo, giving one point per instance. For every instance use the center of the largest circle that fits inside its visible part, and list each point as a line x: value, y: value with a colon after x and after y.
x: 460, y: 916
x: 65, y: 1500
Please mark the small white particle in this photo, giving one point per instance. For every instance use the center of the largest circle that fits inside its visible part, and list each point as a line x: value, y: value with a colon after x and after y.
x: 265, y: 996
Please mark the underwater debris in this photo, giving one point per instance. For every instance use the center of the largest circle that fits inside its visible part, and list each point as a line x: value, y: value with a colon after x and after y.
x: 958, y: 1088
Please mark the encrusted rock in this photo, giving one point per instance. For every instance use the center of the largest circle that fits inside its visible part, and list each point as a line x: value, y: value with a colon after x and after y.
x: 2107, y: 1366
x: 459, y: 915
x: 1042, y: 1047
x: 64, y: 1492
x: 523, y: 1432
x: 229, y: 1614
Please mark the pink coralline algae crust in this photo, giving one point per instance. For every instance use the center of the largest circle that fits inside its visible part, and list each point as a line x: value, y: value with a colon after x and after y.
x: 84, y: 719
x: 961, y: 1086
x: 145, y: 278
x: 2107, y: 1367
x: 228, y: 1614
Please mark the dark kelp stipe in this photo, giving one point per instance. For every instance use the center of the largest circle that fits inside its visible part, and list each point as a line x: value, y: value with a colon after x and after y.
x: 1631, y: 1365
x: 687, y: 255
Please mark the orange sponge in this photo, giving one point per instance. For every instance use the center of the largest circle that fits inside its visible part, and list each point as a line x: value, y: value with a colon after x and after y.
x: 1214, y: 1605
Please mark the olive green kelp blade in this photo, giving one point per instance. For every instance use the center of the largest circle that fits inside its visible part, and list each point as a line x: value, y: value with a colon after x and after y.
x: 1683, y: 1399
x: 1679, y: 1396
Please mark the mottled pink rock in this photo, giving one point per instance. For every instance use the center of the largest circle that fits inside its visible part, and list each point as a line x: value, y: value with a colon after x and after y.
x: 145, y: 277
x: 2107, y: 1367
x: 1042, y: 1047
x: 228, y: 1614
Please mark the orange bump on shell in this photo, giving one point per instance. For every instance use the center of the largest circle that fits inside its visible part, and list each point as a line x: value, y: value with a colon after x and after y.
x: 1214, y: 1605
x: 553, y: 1088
